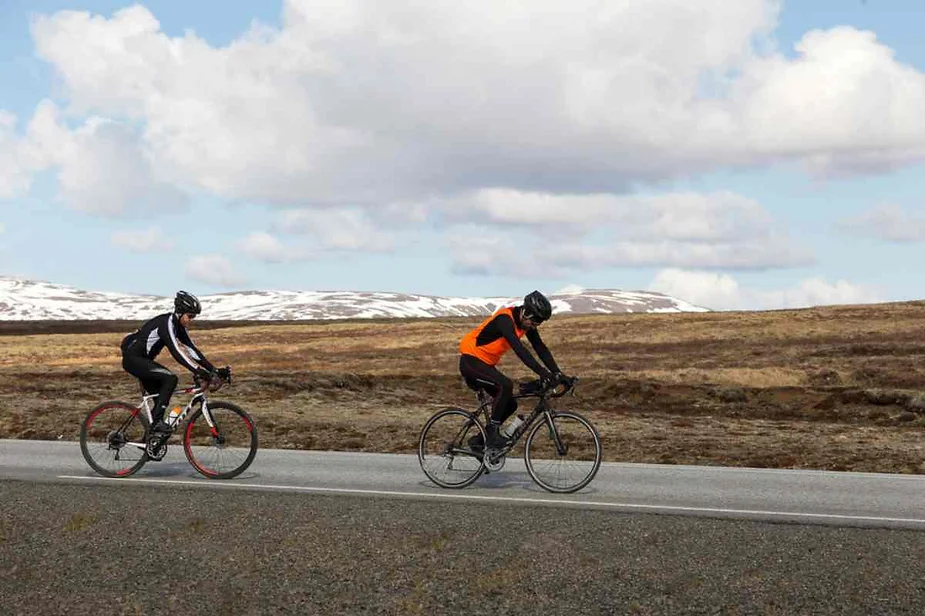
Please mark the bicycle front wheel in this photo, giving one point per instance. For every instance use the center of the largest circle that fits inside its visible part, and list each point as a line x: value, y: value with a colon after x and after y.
x: 444, y: 451
x: 223, y: 448
x: 112, y: 439
x: 563, y: 452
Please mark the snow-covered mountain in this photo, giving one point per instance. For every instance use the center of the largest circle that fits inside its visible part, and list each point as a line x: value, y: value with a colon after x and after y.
x: 26, y: 300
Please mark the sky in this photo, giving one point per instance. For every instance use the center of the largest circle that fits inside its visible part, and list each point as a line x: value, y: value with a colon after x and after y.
x: 737, y: 155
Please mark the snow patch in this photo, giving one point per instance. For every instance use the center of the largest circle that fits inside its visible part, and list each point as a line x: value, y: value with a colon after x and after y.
x: 29, y: 300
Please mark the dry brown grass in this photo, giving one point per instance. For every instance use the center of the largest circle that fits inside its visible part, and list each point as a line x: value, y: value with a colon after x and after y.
x: 821, y: 388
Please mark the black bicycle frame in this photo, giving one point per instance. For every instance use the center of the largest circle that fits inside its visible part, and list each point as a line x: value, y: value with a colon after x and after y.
x: 542, y: 407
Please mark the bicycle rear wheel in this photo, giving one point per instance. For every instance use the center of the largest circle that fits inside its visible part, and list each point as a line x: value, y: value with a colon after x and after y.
x: 112, y: 439
x: 563, y: 456
x: 225, y: 449
x: 444, y: 451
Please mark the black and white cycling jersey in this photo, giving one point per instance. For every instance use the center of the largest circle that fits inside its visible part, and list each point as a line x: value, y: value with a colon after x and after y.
x: 166, y: 330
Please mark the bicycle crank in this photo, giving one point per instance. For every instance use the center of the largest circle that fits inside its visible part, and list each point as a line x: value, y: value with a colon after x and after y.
x: 156, y: 448
x: 494, y: 460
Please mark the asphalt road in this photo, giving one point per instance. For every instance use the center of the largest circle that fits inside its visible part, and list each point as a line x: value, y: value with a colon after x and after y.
x: 806, y: 497
x: 338, y: 533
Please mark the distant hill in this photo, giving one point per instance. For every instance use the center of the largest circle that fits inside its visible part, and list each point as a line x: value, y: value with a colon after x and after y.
x: 28, y: 300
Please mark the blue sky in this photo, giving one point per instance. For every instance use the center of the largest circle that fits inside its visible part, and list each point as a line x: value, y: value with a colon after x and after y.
x: 745, y: 155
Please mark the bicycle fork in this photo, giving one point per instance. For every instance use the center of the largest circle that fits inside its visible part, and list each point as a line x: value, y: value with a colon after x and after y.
x: 213, y: 425
x: 561, y: 446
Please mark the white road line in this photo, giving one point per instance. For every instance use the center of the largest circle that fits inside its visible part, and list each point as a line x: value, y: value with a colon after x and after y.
x: 514, y: 499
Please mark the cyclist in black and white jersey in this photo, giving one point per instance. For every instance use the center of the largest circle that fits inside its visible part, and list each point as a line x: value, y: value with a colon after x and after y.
x: 167, y: 330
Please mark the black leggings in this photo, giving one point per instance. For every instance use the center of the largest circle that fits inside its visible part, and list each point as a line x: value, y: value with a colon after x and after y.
x: 480, y: 375
x: 155, y: 378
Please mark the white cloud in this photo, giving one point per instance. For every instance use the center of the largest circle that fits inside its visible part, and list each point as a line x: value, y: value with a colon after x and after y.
x: 887, y: 222
x: 371, y: 103
x: 267, y: 248
x: 476, y: 252
x: 571, y: 289
x: 147, y: 240
x: 709, y: 289
x: 722, y: 292
x: 845, y: 105
x: 102, y: 166
x: 766, y: 254
x: 108, y: 174
x: 214, y: 269
x: 555, y: 234
x: 520, y: 130
x: 402, y: 214
x: 337, y: 229
x: 818, y: 292
x: 684, y: 216
x: 15, y: 176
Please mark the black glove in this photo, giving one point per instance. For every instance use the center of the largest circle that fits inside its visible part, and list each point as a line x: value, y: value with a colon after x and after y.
x: 224, y: 374
x: 568, y: 381
x: 202, y: 374
x: 547, y: 380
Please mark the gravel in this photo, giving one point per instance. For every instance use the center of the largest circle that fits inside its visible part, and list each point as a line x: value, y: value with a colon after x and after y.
x: 156, y: 550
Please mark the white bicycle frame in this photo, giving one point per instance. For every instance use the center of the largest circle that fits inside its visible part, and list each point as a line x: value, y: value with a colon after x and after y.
x: 199, y: 394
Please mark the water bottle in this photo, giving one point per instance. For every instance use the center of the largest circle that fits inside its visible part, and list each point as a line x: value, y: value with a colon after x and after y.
x: 509, y: 429
x: 174, y: 414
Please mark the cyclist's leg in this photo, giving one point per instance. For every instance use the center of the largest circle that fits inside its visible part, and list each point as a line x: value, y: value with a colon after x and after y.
x: 470, y: 377
x: 495, y: 382
x: 155, y: 378
x: 469, y: 368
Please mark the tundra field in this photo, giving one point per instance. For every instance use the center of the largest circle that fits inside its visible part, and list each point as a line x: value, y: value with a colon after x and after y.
x: 837, y: 388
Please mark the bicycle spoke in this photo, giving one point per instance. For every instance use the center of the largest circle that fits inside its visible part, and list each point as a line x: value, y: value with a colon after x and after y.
x: 444, y: 451
x: 225, y: 450
x: 108, y: 439
x: 563, y: 457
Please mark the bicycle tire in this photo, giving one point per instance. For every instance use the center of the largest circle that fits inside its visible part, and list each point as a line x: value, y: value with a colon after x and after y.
x: 201, y: 444
x: 542, y: 454
x: 92, y: 429
x: 443, y: 443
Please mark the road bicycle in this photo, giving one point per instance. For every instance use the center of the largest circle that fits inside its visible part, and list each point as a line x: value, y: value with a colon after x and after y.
x: 220, y: 438
x: 562, y: 451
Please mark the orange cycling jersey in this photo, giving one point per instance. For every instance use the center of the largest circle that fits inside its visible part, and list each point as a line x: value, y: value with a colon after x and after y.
x: 491, y: 351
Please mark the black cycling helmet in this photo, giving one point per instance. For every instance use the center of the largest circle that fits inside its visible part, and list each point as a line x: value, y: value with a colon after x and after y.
x: 186, y: 303
x: 537, y: 307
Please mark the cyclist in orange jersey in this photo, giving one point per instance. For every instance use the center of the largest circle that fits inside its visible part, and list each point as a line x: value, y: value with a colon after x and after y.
x: 482, y: 349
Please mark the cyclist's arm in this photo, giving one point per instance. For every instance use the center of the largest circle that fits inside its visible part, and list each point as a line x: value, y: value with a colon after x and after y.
x: 542, y: 350
x: 194, y: 352
x: 506, y: 327
x: 169, y: 335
